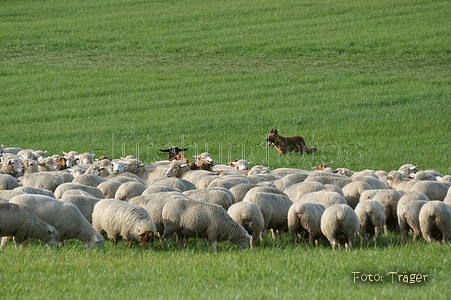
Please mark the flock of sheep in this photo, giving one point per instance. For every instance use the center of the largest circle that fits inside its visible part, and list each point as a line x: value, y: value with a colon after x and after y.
x: 75, y: 196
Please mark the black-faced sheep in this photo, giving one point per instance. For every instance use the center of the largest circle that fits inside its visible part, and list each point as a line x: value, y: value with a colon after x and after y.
x: 340, y: 225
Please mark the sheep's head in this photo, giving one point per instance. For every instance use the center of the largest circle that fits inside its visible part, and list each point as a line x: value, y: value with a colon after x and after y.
x: 173, y: 151
x: 48, y: 164
x: 240, y: 164
x: 176, y: 168
x: 146, y: 238
x: 12, y: 165
x: 120, y: 167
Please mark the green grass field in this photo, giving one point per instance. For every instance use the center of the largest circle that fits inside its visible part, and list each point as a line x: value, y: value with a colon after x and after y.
x: 368, y: 83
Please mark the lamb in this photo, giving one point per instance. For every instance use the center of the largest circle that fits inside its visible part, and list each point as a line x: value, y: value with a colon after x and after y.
x: 65, y: 217
x: 220, y: 196
x: 154, y: 204
x: 128, y: 190
x: 274, y: 208
x: 48, y: 164
x: 18, y: 220
x: 8, y: 182
x: 62, y: 188
x: 354, y: 190
x: 304, y: 219
x: 193, y: 218
x: 371, y: 219
x: 11, y: 165
x: 43, y: 180
x: 248, y: 215
x: 409, y: 218
x: 340, y: 224
x: 435, y: 190
x: 324, y: 197
x: 119, y: 219
x: 83, y: 200
x: 435, y: 221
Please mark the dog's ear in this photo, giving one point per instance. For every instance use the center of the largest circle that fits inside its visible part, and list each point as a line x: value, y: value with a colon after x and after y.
x: 275, y: 131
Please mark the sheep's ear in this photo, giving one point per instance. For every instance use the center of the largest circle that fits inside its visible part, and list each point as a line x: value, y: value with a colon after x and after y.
x: 164, y: 150
x: 389, y: 177
x: 184, y: 149
x: 413, y: 168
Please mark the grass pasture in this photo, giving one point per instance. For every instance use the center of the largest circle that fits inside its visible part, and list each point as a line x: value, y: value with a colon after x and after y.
x: 368, y: 83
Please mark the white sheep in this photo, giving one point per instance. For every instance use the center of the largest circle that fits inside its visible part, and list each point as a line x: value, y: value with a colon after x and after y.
x: 274, y: 208
x: 62, y: 188
x: 228, y: 181
x: 11, y: 164
x: 239, y: 191
x: 48, y: 164
x: 435, y: 221
x: 130, y: 189
x: 83, y: 200
x: 19, y: 221
x: 181, y: 184
x: 400, y: 182
x: 109, y: 188
x: 435, y: 190
x: 371, y: 219
x: 407, y: 170
x: 325, y: 198
x: 248, y: 215
x: 29, y: 166
x: 375, y: 183
x: 119, y: 219
x: 99, y: 169
x: 447, y: 199
x: 220, y: 196
x: 65, y: 217
x: 154, y: 204
x: 181, y: 170
x: 85, y: 158
x: 388, y: 198
x: 8, y: 182
x: 89, y: 179
x: 329, y: 178
x: 409, y: 219
x: 43, y: 180
x: 192, y: 218
x: 296, y: 191
x: 240, y: 164
x: 410, y: 196
x: 340, y: 225
x: 304, y: 219
x: 354, y: 190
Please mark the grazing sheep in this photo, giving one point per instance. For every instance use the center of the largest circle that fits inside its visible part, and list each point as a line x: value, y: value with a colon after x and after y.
x: 158, y: 188
x: 354, y: 190
x: 325, y: 198
x: 248, y: 215
x: 239, y: 191
x: 109, y: 188
x: 329, y: 178
x: 99, y: 169
x: 435, y: 221
x: 274, y: 208
x: 296, y: 191
x: 130, y: 189
x: 154, y: 204
x: 399, y: 182
x: 48, y: 164
x: 375, y: 183
x: 89, y: 180
x: 435, y: 190
x: 304, y: 219
x: 220, y: 196
x: 228, y: 181
x: 410, y: 196
x: 119, y: 219
x: 193, y: 218
x: 8, y: 182
x: 180, y: 184
x: 340, y: 224
x: 83, y: 200
x: 11, y: 165
x: 371, y: 219
x: 62, y: 188
x: 409, y: 219
x: 43, y: 180
x: 19, y: 221
x: 65, y: 217
x: 389, y: 200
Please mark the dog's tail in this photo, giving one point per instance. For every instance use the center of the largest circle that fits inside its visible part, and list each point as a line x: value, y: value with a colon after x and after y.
x: 310, y: 150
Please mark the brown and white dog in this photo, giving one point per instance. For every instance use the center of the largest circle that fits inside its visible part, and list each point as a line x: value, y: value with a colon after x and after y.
x: 288, y: 144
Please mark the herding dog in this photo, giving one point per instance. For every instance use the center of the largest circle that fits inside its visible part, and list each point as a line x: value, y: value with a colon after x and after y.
x: 288, y: 144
